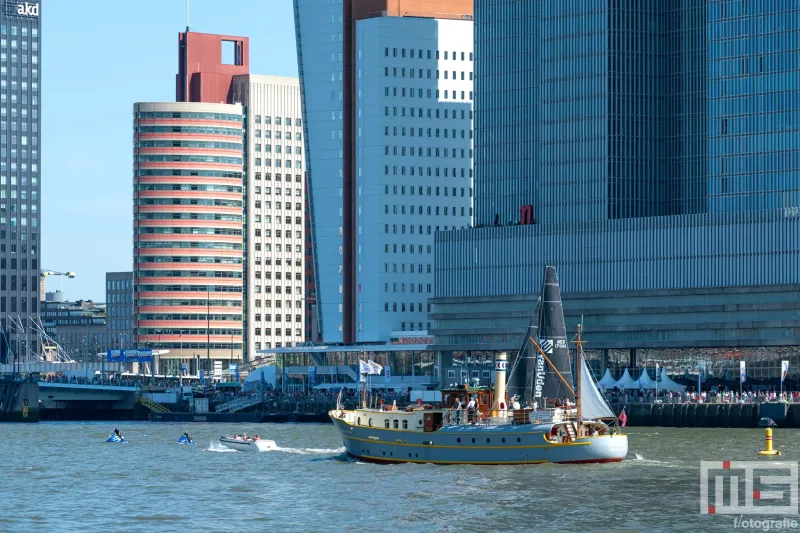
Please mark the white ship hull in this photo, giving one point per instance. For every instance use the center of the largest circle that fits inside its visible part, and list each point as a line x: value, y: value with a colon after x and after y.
x: 247, y: 445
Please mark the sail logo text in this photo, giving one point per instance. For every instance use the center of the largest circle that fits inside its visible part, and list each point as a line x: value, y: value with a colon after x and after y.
x: 750, y: 497
x: 561, y: 343
x: 28, y: 10
x: 540, y: 375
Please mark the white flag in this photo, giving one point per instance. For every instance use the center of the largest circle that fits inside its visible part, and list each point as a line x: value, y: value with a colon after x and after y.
x: 375, y: 367
x: 364, y: 367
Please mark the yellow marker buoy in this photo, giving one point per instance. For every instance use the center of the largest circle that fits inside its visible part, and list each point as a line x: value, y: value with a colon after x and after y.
x: 768, y: 444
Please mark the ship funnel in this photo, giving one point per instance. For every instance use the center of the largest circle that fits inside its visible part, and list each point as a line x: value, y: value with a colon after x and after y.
x: 500, y: 404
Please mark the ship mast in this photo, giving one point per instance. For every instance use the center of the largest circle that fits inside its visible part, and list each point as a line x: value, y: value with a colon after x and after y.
x: 579, y: 368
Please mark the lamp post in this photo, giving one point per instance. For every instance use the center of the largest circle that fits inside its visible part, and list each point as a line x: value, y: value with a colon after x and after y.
x: 180, y: 367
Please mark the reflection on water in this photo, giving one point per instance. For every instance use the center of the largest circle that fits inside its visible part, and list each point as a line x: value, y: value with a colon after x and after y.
x: 64, y: 477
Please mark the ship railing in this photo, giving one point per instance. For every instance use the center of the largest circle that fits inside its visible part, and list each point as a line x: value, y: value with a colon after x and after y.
x: 453, y: 417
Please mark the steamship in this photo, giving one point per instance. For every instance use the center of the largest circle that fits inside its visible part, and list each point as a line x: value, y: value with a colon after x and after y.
x: 552, y: 417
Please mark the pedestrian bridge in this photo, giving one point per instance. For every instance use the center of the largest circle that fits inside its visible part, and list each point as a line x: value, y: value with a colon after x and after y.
x: 49, y: 367
x: 89, y: 397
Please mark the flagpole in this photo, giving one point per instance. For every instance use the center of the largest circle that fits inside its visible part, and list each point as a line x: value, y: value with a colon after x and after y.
x: 363, y: 381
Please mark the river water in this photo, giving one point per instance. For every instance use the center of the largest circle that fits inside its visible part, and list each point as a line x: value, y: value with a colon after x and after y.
x: 64, y: 477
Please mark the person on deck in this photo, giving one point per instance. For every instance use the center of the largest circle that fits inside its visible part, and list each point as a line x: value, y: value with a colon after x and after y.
x: 457, y: 411
x: 471, y: 410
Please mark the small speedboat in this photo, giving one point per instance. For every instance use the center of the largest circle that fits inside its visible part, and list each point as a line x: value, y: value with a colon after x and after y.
x: 116, y: 438
x: 184, y: 440
x: 248, y: 445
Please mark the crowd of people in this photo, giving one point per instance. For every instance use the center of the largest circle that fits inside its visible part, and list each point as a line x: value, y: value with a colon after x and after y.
x: 713, y: 396
x: 117, y: 380
x: 378, y: 396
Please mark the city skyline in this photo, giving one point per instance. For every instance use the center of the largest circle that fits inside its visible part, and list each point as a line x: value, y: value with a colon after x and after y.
x: 71, y: 222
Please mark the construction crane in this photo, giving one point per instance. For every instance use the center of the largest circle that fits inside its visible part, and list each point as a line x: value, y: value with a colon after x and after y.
x: 43, y: 279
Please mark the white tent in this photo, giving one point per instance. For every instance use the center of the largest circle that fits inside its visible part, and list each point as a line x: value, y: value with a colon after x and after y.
x: 645, y: 382
x: 667, y: 384
x: 626, y: 381
x: 607, y: 382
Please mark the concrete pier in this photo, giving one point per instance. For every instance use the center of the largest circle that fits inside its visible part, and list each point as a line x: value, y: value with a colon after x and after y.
x: 709, y: 415
x: 19, y: 401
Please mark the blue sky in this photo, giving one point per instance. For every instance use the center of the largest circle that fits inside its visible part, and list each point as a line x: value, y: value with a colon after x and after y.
x: 98, y: 58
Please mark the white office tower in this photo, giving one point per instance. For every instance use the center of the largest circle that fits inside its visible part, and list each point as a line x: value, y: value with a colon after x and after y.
x: 274, y: 213
x: 388, y: 104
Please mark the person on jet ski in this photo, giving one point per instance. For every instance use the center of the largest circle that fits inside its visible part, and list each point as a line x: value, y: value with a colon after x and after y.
x: 116, y: 432
x: 187, y: 437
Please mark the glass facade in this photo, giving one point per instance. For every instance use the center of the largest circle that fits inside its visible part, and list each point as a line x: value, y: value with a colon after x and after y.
x: 649, y: 151
x: 20, y: 79
x: 753, y: 105
x: 603, y: 109
x: 119, y: 310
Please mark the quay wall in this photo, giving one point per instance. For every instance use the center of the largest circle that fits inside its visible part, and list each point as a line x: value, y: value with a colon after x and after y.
x: 19, y: 401
x: 709, y: 415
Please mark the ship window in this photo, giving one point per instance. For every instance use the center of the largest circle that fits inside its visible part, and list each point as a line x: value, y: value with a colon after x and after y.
x: 405, y: 424
x: 473, y: 440
x: 503, y: 439
x: 396, y: 424
x: 419, y: 422
x: 488, y: 441
x: 370, y: 422
x: 519, y: 440
x: 359, y: 420
x: 386, y: 423
x: 458, y: 440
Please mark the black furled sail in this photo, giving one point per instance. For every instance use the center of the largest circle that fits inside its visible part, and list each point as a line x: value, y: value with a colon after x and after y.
x: 523, y: 371
x: 543, y: 373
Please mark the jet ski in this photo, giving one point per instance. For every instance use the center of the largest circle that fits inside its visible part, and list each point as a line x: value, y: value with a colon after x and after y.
x: 184, y: 440
x: 116, y: 438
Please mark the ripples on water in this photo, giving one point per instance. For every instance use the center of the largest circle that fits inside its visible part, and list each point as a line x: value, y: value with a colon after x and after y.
x: 64, y: 477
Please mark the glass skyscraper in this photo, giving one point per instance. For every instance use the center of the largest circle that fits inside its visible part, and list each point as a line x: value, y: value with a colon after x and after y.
x: 20, y: 75
x: 648, y: 150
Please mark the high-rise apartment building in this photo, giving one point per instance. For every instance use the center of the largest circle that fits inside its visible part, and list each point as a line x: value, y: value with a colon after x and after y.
x: 387, y: 92
x: 188, y: 229
x: 651, y: 154
x: 275, y: 200
x: 20, y: 172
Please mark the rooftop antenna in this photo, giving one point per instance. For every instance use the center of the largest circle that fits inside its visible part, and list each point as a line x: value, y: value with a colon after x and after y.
x: 187, y: 16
